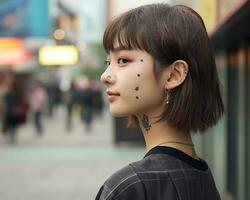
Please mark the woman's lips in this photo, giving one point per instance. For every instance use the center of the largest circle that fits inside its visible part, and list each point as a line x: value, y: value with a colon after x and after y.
x: 112, y: 96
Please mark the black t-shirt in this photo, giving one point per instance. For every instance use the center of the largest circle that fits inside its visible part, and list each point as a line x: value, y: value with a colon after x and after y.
x: 164, y: 173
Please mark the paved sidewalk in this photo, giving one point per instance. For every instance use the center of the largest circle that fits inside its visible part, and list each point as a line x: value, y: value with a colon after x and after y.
x: 59, y: 164
x: 55, y: 131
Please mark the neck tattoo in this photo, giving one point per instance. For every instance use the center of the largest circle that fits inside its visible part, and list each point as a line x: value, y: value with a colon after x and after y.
x: 145, y: 122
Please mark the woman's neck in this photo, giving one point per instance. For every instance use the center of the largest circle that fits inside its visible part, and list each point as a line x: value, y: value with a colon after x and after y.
x: 161, y: 133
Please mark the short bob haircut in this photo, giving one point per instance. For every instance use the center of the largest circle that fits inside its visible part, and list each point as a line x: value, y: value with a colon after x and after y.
x: 170, y: 33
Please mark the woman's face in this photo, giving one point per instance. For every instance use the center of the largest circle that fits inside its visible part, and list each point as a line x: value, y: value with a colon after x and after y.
x: 131, y: 84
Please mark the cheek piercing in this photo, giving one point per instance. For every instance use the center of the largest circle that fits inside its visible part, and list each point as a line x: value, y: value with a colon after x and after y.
x: 137, y: 88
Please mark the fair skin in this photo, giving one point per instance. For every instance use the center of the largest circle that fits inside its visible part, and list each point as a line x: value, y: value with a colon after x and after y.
x: 133, y: 89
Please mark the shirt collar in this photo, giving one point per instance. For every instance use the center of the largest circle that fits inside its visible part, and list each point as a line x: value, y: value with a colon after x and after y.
x: 198, y: 164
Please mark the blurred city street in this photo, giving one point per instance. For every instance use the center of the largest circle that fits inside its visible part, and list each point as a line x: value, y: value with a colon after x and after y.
x: 51, y: 59
x: 59, y: 164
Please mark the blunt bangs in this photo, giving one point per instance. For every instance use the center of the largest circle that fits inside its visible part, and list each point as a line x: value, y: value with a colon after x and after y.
x: 128, y: 31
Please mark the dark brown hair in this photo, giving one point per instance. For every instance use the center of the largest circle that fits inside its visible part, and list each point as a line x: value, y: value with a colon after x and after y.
x: 170, y: 33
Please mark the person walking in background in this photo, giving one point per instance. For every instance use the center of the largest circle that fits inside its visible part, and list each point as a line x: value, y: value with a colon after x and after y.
x: 69, y: 101
x: 86, y: 99
x: 5, y: 86
x: 161, y: 73
x: 15, y: 108
x: 98, y: 103
x: 38, y: 101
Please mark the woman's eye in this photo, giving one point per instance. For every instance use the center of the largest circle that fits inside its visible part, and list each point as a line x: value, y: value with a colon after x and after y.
x: 106, y: 63
x: 122, y: 61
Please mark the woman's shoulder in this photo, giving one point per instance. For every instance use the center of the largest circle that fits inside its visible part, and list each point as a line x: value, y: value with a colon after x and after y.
x: 119, y: 183
x: 130, y: 181
x: 125, y: 174
x: 131, y: 173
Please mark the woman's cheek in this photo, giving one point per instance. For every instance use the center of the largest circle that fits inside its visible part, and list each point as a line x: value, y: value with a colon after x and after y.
x: 130, y: 90
x: 150, y: 93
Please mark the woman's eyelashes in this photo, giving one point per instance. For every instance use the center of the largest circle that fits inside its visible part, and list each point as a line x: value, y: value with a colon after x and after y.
x: 120, y: 62
x: 123, y: 61
x: 107, y: 62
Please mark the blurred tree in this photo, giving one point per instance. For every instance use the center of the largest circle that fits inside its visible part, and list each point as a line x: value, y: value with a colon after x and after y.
x: 92, y: 73
x: 99, y: 51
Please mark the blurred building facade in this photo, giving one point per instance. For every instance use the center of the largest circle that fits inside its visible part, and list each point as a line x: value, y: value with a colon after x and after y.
x: 33, y: 24
x: 228, y: 148
x: 16, y: 23
x: 116, y: 7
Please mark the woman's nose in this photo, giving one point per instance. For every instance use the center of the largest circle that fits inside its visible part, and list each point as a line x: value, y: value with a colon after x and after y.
x: 107, y: 78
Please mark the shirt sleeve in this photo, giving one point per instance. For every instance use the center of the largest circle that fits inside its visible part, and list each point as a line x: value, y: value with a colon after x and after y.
x: 132, y: 191
x: 98, y: 196
x: 123, y: 185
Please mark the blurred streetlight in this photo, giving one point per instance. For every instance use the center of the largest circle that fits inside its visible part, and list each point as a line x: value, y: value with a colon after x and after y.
x: 59, y: 34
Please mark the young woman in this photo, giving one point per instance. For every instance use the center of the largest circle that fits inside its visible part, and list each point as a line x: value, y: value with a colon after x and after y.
x: 161, y: 73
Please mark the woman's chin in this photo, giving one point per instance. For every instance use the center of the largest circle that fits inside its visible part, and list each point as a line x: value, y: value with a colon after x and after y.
x: 118, y: 112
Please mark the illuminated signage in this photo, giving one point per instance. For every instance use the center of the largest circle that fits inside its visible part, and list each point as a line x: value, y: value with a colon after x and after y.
x: 58, y: 55
x: 12, y: 52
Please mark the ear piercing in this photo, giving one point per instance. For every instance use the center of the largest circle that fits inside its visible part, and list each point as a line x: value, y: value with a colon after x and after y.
x: 184, y: 71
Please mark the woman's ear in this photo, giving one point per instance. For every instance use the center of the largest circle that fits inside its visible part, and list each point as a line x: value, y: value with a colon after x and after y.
x: 176, y: 74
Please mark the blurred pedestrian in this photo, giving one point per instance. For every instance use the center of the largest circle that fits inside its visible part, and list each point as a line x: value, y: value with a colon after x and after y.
x: 5, y: 86
x: 38, y: 102
x: 161, y: 72
x: 86, y: 96
x: 98, y: 102
x: 16, y: 108
x: 69, y: 101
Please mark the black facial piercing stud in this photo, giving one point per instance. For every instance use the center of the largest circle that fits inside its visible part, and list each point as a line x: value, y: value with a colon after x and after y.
x: 137, y: 88
x: 138, y: 75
